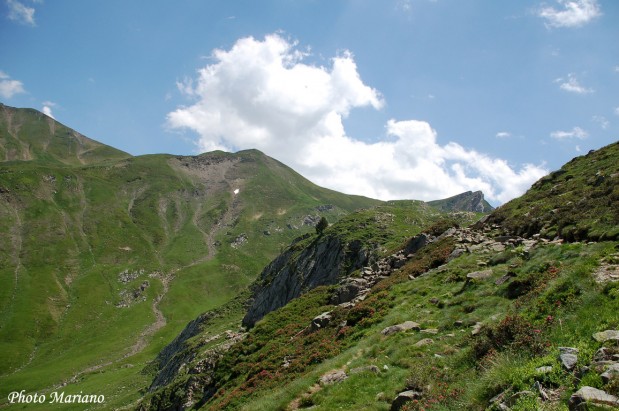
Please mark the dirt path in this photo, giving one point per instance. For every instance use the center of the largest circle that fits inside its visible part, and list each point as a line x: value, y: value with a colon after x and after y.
x: 160, y: 320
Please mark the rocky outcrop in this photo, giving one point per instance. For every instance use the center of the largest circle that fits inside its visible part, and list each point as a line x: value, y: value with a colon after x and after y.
x: 327, y: 259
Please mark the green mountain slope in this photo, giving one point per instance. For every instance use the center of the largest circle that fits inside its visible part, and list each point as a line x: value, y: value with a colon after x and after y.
x: 469, y: 201
x: 578, y: 202
x: 27, y: 134
x: 104, y: 262
x: 489, y: 316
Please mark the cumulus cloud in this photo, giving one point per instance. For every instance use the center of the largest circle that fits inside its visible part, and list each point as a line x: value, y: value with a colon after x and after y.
x: 20, y: 13
x: 572, y: 85
x: 47, y: 108
x: 576, y: 132
x: 503, y: 134
x: 572, y: 13
x: 262, y: 94
x: 9, y: 87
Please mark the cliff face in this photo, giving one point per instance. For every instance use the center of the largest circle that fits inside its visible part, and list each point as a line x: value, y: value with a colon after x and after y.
x: 295, y: 271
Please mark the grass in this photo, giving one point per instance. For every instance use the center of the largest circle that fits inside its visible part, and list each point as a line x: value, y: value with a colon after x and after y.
x: 522, y: 338
x: 73, y: 225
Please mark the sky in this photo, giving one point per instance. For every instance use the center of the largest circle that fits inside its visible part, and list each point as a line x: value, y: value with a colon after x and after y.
x: 391, y: 99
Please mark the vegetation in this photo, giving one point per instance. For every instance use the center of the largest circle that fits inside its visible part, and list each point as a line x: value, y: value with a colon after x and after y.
x: 107, y: 257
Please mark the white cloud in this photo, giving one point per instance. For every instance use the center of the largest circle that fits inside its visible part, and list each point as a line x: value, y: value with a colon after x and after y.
x: 617, y: 111
x: 602, y: 121
x: 261, y: 94
x: 47, y: 108
x: 20, y: 13
x: 572, y: 85
x: 404, y: 5
x: 572, y: 13
x: 576, y: 132
x: 9, y: 87
x: 503, y: 134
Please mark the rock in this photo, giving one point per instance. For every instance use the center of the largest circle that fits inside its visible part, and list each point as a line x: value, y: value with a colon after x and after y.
x: 543, y: 370
x: 333, y: 377
x: 602, y: 355
x: 458, y: 323
x: 503, y: 279
x: 324, y: 262
x: 476, y: 328
x: 611, y: 373
x: 403, y: 398
x: 367, y: 368
x: 345, y: 293
x: 456, y: 253
x: 568, y: 357
x: 430, y: 331
x: 607, y: 335
x: 479, y: 275
x: 542, y: 393
x: 425, y: 341
x: 589, y: 395
x: 239, y: 240
x: 321, y: 321
x: 405, y: 326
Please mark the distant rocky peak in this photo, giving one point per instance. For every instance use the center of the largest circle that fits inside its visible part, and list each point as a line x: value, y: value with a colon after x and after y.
x: 467, y: 201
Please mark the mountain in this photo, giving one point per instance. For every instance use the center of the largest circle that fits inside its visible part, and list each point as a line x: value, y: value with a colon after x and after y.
x: 27, y: 134
x: 105, y: 257
x: 395, y: 307
x: 469, y: 201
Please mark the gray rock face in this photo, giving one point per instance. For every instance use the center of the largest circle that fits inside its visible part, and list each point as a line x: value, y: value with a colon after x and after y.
x: 580, y: 399
x: 294, y: 272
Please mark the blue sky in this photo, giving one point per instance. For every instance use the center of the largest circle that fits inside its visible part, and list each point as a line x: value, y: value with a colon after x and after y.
x: 387, y: 98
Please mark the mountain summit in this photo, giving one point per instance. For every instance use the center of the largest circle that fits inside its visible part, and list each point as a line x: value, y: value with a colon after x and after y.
x: 28, y: 134
x: 468, y: 201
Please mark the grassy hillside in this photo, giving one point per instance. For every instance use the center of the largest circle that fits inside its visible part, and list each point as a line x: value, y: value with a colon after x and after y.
x: 27, y: 134
x: 491, y: 316
x: 104, y: 262
x: 578, y: 202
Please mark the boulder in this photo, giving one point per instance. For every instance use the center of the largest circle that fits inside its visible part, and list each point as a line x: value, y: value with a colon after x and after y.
x: 425, y: 341
x: 333, y: 377
x: 403, y: 398
x: 321, y: 321
x: 479, y: 275
x: 589, y: 395
x: 407, y: 325
x: 608, y: 335
x: 568, y: 357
